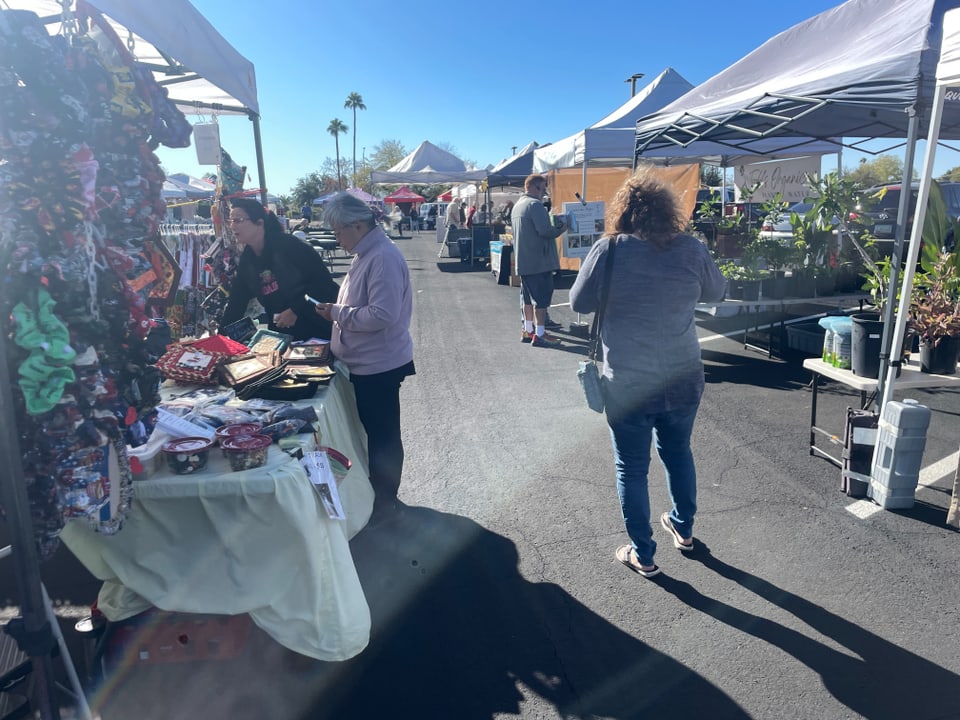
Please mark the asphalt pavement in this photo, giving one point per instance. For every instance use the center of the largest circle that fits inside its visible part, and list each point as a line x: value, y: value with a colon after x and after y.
x: 496, y: 593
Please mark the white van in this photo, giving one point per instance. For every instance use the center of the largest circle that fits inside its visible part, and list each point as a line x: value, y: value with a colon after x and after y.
x: 429, y: 212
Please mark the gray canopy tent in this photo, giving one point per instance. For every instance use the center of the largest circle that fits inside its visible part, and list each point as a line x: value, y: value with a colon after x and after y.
x: 864, y: 69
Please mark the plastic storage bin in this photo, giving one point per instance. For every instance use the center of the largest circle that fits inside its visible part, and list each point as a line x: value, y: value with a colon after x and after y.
x: 900, y: 442
x: 806, y: 337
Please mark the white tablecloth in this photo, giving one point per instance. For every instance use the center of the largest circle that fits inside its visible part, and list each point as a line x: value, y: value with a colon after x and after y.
x: 256, y: 542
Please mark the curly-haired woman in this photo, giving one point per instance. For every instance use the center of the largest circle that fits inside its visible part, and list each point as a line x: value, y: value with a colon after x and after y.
x: 652, y: 374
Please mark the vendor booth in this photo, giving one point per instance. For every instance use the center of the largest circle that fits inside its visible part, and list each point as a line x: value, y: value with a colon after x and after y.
x: 865, y: 69
x: 104, y: 299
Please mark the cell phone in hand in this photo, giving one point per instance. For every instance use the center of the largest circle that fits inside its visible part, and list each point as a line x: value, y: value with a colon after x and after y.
x: 310, y: 299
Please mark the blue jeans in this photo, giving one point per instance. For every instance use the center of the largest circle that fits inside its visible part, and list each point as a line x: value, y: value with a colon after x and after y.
x: 631, y: 432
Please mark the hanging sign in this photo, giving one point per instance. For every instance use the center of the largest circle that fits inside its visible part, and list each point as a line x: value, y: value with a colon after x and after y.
x: 206, y: 139
x: 584, y: 227
x: 786, y: 177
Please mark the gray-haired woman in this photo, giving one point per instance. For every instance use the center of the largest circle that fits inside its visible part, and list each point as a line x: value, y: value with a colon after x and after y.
x: 371, y: 336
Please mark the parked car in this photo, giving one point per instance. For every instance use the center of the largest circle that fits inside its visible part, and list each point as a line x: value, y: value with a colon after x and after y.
x: 877, y: 211
x: 429, y: 213
x: 781, y: 228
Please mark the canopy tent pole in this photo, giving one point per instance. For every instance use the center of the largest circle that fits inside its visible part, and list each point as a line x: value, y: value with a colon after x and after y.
x: 902, y: 211
x: 258, y: 144
x: 913, y: 252
x: 843, y: 221
x: 35, y: 628
x: 583, y: 179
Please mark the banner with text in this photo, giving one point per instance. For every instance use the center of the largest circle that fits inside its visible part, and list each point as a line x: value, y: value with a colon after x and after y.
x: 777, y: 176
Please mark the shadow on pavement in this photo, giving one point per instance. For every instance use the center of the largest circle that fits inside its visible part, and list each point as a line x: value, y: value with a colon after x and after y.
x: 459, y: 633
x: 723, y: 367
x: 455, y: 266
x: 876, y: 679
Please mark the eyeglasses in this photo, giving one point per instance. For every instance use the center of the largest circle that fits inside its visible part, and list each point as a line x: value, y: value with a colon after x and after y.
x: 238, y: 220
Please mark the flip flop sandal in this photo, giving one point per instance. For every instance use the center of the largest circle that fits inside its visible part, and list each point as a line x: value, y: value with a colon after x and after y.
x: 625, y: 555
x: 668, y: 526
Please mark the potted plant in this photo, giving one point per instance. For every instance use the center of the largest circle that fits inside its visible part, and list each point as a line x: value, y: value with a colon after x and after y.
x: 775, y: 252
x: 743, y: 280
x: 868, y: 327
x: 832, y: 201
x: 935, y: 310
x: 729, y: 235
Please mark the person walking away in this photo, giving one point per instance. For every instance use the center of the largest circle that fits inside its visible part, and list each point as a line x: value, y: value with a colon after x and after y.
x: 652, y: 371
x: 306, y: 213
x: 371, y: 336
x: 534, y: 242
x: 414, y: 219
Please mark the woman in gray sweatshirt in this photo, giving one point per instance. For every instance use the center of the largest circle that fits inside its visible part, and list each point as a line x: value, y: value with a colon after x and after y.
x: 652, y: 372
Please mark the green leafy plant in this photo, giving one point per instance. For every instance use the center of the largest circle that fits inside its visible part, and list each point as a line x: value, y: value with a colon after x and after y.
x: 731, y: 224
x: 833, y: 200
x: 935, y: 300
x: 775, y: 252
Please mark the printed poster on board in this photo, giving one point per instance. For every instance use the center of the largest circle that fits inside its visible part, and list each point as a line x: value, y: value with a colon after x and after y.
x: 584, y: 228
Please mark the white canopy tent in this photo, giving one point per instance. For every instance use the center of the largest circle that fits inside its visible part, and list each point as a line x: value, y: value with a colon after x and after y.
x: 188, y: 57
x: 193, y: 187
x: 172, y: 191
x: 428, y: 165
x: 610, y: 141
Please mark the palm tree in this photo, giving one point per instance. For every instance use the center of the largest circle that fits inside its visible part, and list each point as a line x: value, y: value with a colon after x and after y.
x: 336, y: 127
x: 355, y: 102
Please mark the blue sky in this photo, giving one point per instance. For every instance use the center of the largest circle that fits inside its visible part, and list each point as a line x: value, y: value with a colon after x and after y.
x: 478, y: 77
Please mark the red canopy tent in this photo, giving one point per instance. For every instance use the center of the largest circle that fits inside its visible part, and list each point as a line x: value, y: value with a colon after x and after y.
x: 404, y: 195
x: 445, y: 197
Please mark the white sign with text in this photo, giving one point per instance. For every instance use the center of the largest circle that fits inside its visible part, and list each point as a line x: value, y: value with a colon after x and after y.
x: 585, y: 229
x: 777, y: 176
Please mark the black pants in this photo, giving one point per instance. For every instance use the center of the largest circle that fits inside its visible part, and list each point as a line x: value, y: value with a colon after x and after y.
x: 378, y: 403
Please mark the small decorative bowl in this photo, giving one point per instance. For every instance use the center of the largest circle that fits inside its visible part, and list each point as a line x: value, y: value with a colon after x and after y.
x: 236, y: 430
x: 339, y: 463
x: 245, y: 452
x: 188, y: 454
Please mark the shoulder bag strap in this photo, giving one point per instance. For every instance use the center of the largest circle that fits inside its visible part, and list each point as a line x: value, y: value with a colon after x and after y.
x: 604, y: 293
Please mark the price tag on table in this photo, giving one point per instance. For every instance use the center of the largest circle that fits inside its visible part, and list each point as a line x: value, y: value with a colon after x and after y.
x: 317, y: 466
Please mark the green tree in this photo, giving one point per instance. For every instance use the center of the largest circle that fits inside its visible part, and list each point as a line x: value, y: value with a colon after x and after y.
x: 354, y: 102
x: 386, y: 154
x: 336, y: 127
x: 951, y: 175
x: 880, y: 171
x: 306, y: 189
x: 332, y: 169
x: 710, y: 176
